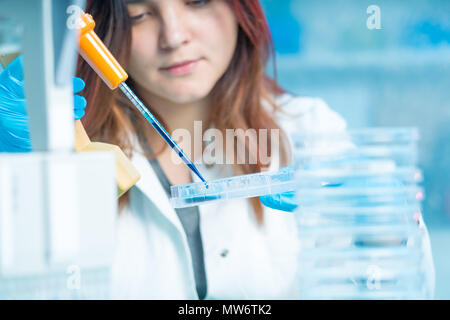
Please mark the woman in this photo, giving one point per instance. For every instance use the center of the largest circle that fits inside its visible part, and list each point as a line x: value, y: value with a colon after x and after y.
x: 197, y: 61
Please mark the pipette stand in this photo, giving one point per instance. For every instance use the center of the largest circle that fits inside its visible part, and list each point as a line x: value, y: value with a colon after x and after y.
x: 58, y: 208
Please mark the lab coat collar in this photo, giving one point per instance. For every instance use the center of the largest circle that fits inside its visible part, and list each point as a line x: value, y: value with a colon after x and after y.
x: 151, y: 187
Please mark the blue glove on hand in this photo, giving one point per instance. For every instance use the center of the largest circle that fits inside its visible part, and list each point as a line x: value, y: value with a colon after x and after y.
x: 14, y: 132
x: 281, y: 201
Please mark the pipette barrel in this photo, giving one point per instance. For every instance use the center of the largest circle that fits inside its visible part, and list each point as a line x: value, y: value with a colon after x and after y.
x: 159, y: 128
x: 97, y: 55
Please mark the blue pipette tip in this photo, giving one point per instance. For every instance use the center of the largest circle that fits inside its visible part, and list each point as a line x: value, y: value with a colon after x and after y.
x: 195, y: 170
x: 159, y: 128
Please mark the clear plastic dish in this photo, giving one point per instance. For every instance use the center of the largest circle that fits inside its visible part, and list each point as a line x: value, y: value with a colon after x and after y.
x: 245, y: 186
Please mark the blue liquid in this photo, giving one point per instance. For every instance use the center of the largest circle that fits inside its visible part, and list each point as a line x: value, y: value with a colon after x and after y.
x: 160, y: 129
x: 202, y: 199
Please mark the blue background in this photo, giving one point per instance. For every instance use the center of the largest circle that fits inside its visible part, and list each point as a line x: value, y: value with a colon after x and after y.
x: 398, y: 75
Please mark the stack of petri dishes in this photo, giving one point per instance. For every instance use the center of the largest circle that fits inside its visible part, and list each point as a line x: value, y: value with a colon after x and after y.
x: 359, y: 220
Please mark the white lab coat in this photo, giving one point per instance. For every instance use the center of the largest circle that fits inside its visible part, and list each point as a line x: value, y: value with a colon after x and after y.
x: 242, y: 260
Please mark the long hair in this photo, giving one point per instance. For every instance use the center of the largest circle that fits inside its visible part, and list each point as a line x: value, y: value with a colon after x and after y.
x: 237, y: 98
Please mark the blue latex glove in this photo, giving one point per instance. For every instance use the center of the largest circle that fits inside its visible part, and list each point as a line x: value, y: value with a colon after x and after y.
x: 281, y: 201
x: 14, y: 132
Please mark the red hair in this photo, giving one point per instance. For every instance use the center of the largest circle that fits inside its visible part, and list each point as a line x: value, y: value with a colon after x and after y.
x: 237, y: 97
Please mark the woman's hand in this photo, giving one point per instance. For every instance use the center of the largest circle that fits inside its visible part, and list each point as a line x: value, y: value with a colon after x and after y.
x: 281, y: 201
x: 285, y: 201
x: 14, y: 132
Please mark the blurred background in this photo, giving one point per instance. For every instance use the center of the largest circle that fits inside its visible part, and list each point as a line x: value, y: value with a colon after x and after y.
x: 386, y: 67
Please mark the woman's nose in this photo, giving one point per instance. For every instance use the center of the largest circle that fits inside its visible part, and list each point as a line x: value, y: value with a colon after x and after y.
x: 174, y: 31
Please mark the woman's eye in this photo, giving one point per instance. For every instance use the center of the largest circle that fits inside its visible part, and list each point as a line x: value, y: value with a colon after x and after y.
x: 139, y: 17
x: 198, y: 3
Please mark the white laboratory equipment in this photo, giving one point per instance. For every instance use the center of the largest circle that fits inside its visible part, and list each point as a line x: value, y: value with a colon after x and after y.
x: 58, y: 208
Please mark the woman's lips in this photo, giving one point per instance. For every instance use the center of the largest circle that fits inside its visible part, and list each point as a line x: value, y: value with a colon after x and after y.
x: 181, y: 68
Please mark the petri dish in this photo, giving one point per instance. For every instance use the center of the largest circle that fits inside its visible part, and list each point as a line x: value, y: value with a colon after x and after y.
x: 244, y: 186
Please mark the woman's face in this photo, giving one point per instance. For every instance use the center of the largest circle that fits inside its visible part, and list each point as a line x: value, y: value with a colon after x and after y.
x: 181, y: 48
